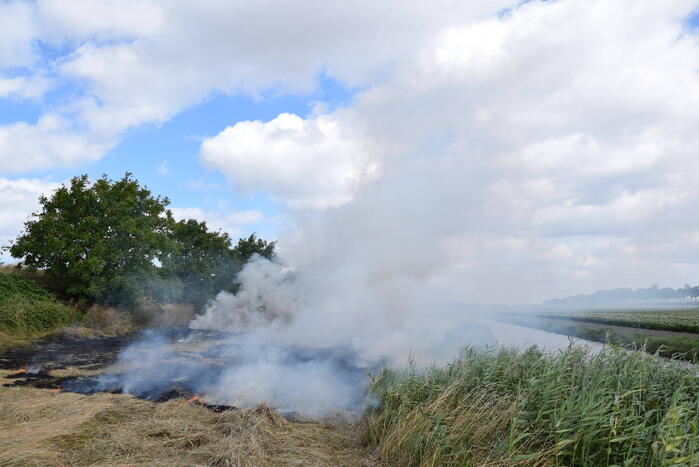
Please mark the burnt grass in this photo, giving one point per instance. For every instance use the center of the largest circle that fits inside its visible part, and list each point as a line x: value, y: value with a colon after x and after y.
x: 34, y: 366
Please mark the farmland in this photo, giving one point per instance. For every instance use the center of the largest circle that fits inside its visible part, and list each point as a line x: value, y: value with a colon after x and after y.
x: 669, y: 333
x: 668, y: 320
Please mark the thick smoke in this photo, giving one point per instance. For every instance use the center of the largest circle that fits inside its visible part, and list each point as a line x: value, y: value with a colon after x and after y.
x: 372, y: 275
x: 354, y: 287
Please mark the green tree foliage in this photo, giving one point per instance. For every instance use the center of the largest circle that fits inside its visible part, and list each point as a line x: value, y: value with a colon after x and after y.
x: 247, y: 247
x: 98, y: 241
x: 204, y: 262
x: 115, y: 243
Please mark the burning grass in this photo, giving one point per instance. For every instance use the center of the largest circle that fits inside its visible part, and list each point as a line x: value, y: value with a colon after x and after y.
x: 39, y: 427
x: 509, y: 408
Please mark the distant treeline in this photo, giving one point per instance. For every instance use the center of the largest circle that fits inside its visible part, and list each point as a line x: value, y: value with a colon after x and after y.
x: 652, y: 294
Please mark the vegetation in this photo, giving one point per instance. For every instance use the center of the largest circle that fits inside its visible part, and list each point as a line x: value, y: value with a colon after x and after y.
x: 668, y: 320
x: 97, y: 241
x: 115, y: 243
x: 38, y: 427
x: 509, y: 408
x: 27, y: 309
x: 678, y: 347
x: 664, y: 343
x: 203, y: 262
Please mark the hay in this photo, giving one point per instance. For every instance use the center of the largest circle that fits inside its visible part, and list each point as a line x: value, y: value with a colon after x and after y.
x: 38, y: 427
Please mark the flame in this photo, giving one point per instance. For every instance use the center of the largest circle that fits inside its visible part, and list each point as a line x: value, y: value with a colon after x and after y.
x: 22, y: 370
x: 55, y: 390
x: 191, y: 399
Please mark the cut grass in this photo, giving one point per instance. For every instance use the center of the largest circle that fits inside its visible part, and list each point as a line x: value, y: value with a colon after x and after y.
x: 509, y: 408
x: 38, y: 427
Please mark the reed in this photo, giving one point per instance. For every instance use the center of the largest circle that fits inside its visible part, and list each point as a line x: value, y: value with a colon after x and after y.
x: 509, y: 408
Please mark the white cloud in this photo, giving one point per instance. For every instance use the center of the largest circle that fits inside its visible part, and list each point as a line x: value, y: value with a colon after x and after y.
x: 564, y: 132
x: 99, y: 20
x: 232, y: 222
x: 51, y: 142
x: 22, y: 87
x: 551, y: 151
x: 18, y: 27
x: 305, y: 163
x: 18, y: 199
x: 143, y: 61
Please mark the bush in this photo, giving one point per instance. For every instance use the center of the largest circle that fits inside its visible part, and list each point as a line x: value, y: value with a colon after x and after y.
x: 27, y: 308
x: 30, y: 316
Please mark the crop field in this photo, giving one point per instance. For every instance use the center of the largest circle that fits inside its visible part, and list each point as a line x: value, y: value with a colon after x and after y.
x: 667, y: 320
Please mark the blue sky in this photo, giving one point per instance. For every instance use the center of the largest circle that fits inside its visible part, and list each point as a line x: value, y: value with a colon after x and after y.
x: 165, y: 156
x: 557, y: 139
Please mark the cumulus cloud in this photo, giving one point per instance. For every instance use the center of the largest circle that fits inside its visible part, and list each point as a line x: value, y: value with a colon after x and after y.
x: 18, y: 198
x: 231, y: 222
x: 18, y: 26
x: 143, y: 61
x: 551, y: 148
x: 51, y: 142
x: 304, y: 163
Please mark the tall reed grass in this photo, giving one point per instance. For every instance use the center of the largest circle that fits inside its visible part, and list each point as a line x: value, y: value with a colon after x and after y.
x: 509, y: 408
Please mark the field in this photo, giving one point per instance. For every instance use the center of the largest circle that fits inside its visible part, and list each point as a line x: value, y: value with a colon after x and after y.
x: 488, y: 407
x: 669, y: 320
x: 500, y: 407
x: 40, y: 427
x: 630, y: 329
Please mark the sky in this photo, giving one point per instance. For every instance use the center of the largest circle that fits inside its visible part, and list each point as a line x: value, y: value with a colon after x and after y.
x: 550, y: 146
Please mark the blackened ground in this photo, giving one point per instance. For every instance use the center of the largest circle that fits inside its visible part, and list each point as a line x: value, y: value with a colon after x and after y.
x: 88, y: 354
x: 35, y: 364
x: 163, y: 365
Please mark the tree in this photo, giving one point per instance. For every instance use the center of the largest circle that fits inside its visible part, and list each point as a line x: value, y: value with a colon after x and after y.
x: 98, y: 241
x: 247, y: 247
x: 203, y: 263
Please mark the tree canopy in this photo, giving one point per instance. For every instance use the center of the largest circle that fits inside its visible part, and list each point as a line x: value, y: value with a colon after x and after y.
x: 114, y: 242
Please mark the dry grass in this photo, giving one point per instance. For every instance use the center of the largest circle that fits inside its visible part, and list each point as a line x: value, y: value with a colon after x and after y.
x: 174, y: 315
x: 108, y: 320
x: 40, y: 427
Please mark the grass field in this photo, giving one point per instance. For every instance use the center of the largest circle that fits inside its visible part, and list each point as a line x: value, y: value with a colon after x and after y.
x: 669, y: 320
x: 506, y: 408
x: 39, y: 427
x: 486, y: 408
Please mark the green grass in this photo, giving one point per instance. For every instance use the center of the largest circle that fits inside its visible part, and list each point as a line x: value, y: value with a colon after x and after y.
x: 668, y: 320
x: 28, y: 310
x: 510, y: 408
x: 670, y: 346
